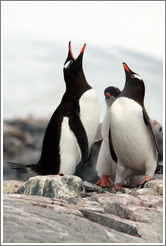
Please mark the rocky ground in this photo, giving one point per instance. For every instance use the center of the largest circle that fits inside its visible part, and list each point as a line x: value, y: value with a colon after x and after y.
x: 68, y: 209
x: 64, y: 209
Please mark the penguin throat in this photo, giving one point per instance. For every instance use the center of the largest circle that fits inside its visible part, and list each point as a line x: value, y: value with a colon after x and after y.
x: 136, y: 93
x: 77, y: 85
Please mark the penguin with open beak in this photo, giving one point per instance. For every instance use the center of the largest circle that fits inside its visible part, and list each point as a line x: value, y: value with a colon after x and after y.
x: 72, y: 128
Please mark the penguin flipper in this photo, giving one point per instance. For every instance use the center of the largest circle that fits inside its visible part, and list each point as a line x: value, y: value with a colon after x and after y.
x: 78, y: 129
x: 149, y: 125
x: 112, y: 151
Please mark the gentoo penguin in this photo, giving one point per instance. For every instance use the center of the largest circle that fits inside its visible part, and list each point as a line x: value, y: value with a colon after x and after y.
x: 72, y: 128
x: 133, y: 143
x: 106, y: 166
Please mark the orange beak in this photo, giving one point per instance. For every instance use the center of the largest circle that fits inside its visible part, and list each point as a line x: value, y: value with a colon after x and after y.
x: 108, y: 94
x: 125, y: 67
x: 71, y: 53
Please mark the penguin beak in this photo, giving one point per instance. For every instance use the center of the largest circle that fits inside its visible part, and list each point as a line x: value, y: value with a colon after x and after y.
x: 128, y: 71
x: 126, y: 68
x: 107, y: 95
x: 71, y: 53
x: 82, y: 50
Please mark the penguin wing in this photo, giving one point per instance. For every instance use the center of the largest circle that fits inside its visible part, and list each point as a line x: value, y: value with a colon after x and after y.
x: 112, y: 151
x: 78, y: 129
x: 149, y: 125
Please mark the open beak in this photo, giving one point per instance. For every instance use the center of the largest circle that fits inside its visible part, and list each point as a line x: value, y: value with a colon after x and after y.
x: 71, y: 53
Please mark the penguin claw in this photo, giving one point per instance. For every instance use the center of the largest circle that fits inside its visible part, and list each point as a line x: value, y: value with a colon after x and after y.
x: 144, y: 181
x: 104, y: 182
x: 118, y: 187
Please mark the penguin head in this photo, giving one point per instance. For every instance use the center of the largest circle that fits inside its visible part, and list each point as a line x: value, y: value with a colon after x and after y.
x: 134, y: 85
x: 111, y: 93
x: 73, y: 66
x: 130, y: 74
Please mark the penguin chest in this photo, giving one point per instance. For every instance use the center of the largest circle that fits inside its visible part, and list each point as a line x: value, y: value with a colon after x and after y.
x: 131, y: 137
x: 90, y: 114
x: 70, y: 154
x: 105, y: 126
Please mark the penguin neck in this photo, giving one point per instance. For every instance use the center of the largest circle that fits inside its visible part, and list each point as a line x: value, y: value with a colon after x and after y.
x: 77, y: 85
x: 134, y: 92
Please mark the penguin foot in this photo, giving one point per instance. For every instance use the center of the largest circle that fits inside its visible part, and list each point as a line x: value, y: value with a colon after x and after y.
x: 118, y: 187
x: 61, y: 174
x: 144, y: 181
x: 104, y: 182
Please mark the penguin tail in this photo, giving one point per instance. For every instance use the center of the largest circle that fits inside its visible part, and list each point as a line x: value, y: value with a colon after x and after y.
x: 19, y: 167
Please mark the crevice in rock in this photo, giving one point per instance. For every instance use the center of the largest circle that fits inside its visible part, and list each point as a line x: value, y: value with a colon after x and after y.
x: 112, y: 222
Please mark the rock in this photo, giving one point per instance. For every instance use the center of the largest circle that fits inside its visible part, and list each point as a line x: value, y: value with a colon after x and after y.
x: 11, y: 186
x: 156, y: 185
x: 28, y: 219
x: 86, y: 205
x: 54, y: 186
x: 139, y: 215
x: 77, y: 212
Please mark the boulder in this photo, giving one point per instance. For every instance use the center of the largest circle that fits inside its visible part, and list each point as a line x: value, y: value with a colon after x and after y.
x: 68, y: 186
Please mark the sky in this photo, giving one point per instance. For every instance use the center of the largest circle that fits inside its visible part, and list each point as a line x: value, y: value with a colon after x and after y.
x: 35, y: 36
x: 133, y: 24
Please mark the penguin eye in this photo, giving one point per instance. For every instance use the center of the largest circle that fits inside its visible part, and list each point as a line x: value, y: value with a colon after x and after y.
x: 68, y: 64
x: 135, y: 76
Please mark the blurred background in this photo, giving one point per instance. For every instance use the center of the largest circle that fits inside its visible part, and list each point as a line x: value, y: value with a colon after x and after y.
x: 35, y: 37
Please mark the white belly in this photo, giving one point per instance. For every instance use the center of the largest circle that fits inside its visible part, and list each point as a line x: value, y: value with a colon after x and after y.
x: 106, y: 125
x: 70, y: 154
x: 132, y: 140
x: 90, y: 114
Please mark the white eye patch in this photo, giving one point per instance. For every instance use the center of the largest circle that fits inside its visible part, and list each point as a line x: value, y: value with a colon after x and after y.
x: 67, y: 65
x: 135, y: 76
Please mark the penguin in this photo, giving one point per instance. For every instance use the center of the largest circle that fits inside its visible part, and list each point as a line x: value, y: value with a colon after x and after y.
x: 105, y: 165
x: 133, y: 144
x: 71, y: 130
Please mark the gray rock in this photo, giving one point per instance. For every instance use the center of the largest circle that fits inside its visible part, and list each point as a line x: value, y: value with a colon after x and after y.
x: 30, y: 219
x: 68, y: 186
x: 156, y: 185
x: 63, y: 209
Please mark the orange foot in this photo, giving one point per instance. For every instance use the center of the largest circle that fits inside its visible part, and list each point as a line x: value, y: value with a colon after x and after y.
x: 118, y: 186
x: 146, y: 179
x: 104, y: 182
